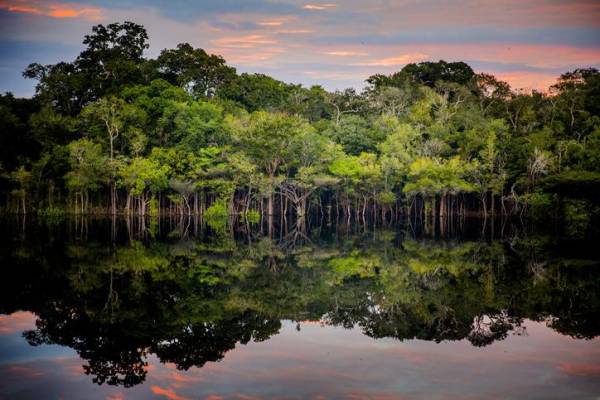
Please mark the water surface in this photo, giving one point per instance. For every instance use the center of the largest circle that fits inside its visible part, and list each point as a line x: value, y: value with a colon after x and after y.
x: 176, y: 310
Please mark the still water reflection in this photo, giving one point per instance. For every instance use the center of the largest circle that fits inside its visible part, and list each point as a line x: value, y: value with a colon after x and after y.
x: 101, y: 312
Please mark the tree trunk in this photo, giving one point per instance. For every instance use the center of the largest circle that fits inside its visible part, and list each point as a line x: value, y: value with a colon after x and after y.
x: 484, y: 203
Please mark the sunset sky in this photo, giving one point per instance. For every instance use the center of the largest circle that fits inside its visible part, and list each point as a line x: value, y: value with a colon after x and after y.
x: 334, y: 43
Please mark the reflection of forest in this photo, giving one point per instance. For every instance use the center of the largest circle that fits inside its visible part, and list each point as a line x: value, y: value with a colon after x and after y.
x: 190, y: 301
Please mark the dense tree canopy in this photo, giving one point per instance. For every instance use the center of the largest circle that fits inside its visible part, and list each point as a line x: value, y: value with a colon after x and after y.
x: 434, y: 138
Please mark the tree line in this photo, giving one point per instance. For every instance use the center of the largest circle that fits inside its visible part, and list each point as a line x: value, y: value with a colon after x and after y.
x: 114, y: 132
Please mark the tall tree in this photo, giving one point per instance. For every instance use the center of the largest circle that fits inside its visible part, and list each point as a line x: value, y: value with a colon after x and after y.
x: 266, y: 138
x: 200, y: 73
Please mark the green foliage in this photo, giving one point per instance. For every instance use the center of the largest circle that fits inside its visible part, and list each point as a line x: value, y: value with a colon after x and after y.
x: 51, y: 215
x: 143, y: 173
x: 185, y: 125
x: 253, y: 216
x: 577, y: 217
x: 541, y: 205
x: 218, y: 210
x: 429, y: 177
x: 354, y: 134
x: 153, y: 207
x: 88, y: 166
x: 217, y: 215
x: 201, y: 73
x: 257, y: 92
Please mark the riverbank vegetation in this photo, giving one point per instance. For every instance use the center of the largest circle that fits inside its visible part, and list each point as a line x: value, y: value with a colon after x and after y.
x: 114, y: 132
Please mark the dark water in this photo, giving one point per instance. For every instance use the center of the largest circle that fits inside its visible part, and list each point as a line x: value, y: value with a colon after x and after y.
x: 180, y: 311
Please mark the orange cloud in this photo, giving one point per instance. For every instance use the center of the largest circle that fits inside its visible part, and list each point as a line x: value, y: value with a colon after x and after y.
x: 295, y: 31
x: 398, y: 60
x: 532, y: 55
x: 324, y: 6
x: 248, y: 56
x: 75, y: 370
x: 271, y: 23
x: 580, y: 369
x: 244, y: 42
x: 116, y: 396
x: 169, y: 394
x: 49, y: 9
x: 527, y: 80
x: 177, y: 377
x: 22, y: 9
x: 346, y: 53
x: 542, y: 56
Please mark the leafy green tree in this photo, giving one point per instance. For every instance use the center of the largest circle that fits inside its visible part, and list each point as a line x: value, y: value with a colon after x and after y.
x: 490, y: 91
x: 257, y: 92
x: 22, y: 178
x: 577, y: 92
x: 355, y: 134
x: 50, y: 128
x: 311, y: 103
x: 313, y: 154
x: 112, y: 119
x: 345, y: 102
x: 113, y: 58
x: 140, y: 176
x: 426, y: 73
x: 266, y: 139
x: 429, y: 178
x: 198, y: 124
x: 89, y: 171
x: 201, y: 74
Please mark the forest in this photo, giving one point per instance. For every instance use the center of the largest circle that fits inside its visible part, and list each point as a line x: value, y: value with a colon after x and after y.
x: 116, y: 133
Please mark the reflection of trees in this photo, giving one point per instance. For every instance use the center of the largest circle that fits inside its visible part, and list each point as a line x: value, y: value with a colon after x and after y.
x: 189, y: 302
x: 478, y: 291
x: 489, y: 328
x: 197, y: 344
x: 115, y: 359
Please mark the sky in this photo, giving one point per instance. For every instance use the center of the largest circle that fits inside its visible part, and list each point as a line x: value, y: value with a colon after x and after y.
x: 333, y: 43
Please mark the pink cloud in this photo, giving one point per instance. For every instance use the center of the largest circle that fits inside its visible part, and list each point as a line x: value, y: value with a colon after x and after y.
x: 294, y: 31
x: 508, y: 13
x: 25, y: 371
x: 319, y: 7
x: 397, y: 60
x: 528, y: 80
x: 271, y: 22
x: 168, y: 393
x: 16, y: 322
x: 51, y: 9
x: 346, y: 53
x: 244, y: 42
x: 183, y: 378
x: 249, y: 57
x: 580, y: 369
